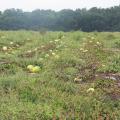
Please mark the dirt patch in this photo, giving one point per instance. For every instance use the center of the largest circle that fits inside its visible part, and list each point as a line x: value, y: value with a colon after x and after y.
x: 114, y: 91
x: 112, y: 76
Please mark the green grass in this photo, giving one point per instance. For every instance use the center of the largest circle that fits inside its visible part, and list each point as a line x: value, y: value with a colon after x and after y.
x: 70, y: 63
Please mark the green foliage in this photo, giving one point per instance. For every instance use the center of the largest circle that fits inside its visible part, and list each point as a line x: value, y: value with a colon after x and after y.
x: 117, y: 44
x: 113, y: 64
x: 7, y: 85
x: 27, y: 95
x: 95, y: 19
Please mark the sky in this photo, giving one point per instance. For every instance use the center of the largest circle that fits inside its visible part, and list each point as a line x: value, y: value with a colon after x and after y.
x: 29, y: 5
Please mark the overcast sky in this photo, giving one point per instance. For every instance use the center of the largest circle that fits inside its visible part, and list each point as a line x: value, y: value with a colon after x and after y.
x: 29, y: 5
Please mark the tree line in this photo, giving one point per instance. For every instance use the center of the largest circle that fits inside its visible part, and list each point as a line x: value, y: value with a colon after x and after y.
x: 94, y: 19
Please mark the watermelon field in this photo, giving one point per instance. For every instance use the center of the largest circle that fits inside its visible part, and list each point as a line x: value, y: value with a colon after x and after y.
x: 59, y: 75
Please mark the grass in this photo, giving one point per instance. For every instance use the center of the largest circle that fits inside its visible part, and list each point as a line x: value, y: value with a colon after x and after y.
x: 70, y: 64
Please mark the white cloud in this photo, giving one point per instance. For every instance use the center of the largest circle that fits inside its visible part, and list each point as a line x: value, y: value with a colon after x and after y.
x: 29, y: 5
